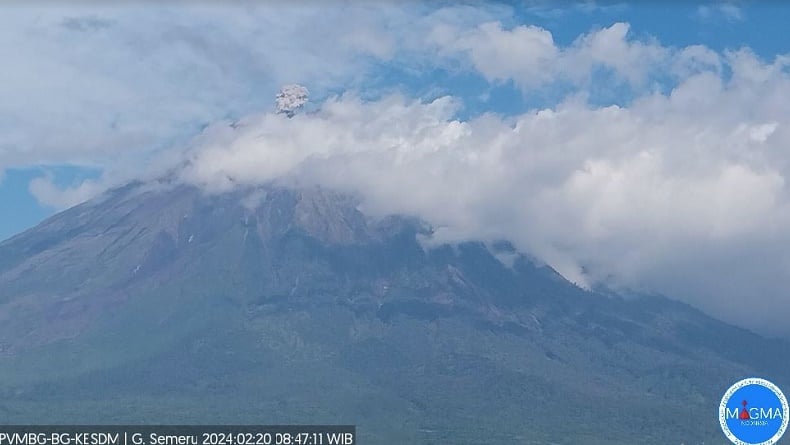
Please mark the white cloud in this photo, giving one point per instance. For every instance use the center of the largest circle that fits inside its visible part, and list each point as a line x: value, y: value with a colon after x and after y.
x: 50, y: 195
x: 95, y: 84
x: 722, y: 10
x: 663, y: 195
x: 525, y: 52
x: 760, y: 133
x: 529, y: 56
x: 683, y: 193
x: 695, y: 59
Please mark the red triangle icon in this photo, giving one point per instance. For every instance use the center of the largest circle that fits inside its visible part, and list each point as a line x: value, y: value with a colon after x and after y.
x: 745, y: 413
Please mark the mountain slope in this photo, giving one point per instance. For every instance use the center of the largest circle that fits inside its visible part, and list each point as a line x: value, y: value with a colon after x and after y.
x: 164, y: 305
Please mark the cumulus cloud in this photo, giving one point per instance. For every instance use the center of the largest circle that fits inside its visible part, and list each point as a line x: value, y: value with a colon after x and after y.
x: 116, y: 86
x: 94, y: 84
x: 718, y: 11
x: 681, y: 189
x: 529, y: 56
x: 50, y: 195
x: 682, y: 193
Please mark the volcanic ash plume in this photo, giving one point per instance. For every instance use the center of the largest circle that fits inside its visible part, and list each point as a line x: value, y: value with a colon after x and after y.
x: 291, y: 98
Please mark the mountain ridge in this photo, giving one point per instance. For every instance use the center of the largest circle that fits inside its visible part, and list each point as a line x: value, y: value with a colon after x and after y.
x: 295, y: 304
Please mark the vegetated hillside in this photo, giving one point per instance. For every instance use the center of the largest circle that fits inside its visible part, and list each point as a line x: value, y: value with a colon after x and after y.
x: 276, y: 305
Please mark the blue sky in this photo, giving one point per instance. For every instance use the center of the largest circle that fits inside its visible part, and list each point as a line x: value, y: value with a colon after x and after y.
x: 640, y: 146
x: 720, y: 26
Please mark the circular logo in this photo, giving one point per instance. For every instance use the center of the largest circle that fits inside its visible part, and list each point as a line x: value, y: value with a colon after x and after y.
x: 753, y: 412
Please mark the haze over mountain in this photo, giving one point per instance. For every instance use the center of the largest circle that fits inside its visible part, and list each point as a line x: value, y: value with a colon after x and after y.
x: 157, y: 302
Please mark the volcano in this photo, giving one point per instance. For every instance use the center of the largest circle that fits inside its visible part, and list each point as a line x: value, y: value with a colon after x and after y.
x: 160, y: 303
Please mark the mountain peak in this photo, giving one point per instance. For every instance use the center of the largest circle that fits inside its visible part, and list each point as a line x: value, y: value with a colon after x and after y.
x: 160, y: 288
